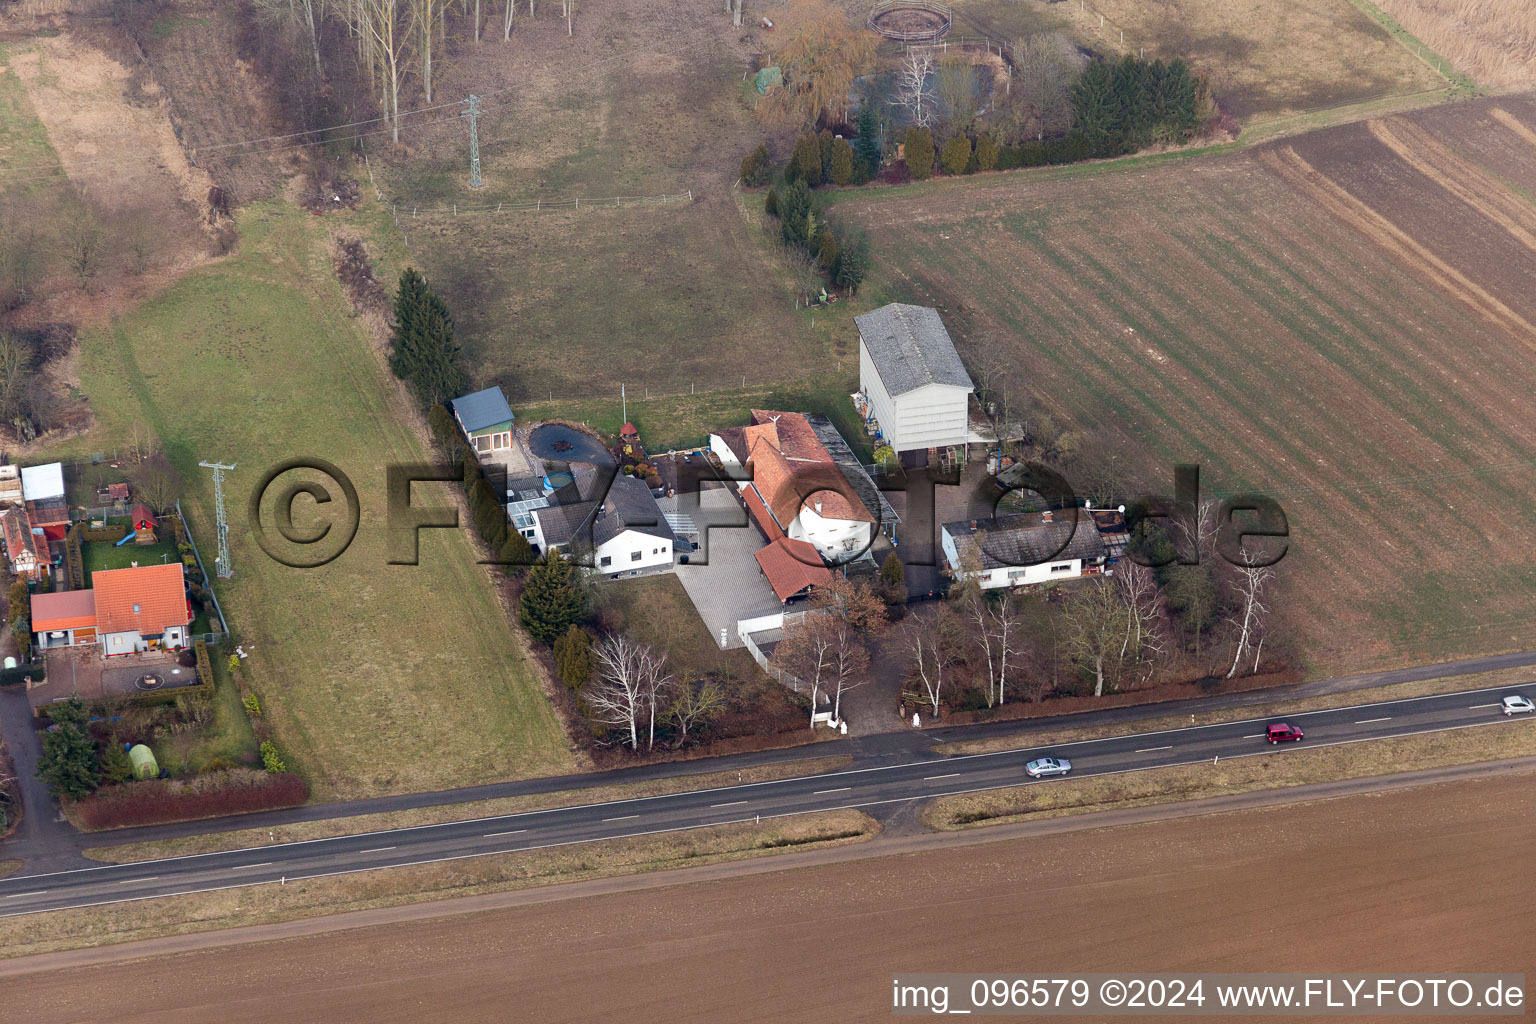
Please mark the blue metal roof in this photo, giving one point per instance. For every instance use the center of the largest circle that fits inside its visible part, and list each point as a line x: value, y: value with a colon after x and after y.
x: 482, y: 409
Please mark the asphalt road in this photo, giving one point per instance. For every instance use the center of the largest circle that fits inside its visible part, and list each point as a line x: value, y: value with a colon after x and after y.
x: 857, y: 788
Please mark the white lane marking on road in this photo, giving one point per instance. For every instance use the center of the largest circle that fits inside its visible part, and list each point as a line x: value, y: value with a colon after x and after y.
x: 951, y: 775
x: 1254, y: 736
x: 247, y: 867
x: 624, y: 817
x: 17, y: 895
x: 1368, y: 721
x: 151, y: 878
x: 1474, y: 707
x: 824, y: 792
x: 733, y: 803
x: 377, y: 849
x: 1148, y: 750
x: 515, y: 832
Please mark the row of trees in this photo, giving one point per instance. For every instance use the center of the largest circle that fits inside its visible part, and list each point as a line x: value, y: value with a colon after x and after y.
x: 980, y: 649
x: 815, y: 245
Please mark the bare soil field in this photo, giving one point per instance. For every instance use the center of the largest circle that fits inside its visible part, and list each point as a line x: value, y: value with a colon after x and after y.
x: 1493, y: 41
x: 1342, y: 320
x: 644, y: 100
x: 1410, y: 879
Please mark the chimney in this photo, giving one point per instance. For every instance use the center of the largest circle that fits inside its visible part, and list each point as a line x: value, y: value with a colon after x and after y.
x: 818, y: 506
x: 1045, y: 516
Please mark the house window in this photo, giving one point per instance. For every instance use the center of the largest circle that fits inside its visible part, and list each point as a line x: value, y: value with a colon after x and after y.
x: 502, y: 440
x: 482, y: 444
x: 527, y: 533
x: 635, y: 556
x: 1065, y: 567
x: 605, y: 560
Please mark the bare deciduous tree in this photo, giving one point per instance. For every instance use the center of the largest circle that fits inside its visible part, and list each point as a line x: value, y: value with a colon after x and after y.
x: 1144, y: 640
x: 1253, y: 615
x: 912, y: 84
x: 1095, y: 631
x: 631, y: 681
x: 83, y: 246
x: 1039, y: 95
x: 932, y: 641
x: 694, y: 703
x: 822, y: 54
x: 957, y: 92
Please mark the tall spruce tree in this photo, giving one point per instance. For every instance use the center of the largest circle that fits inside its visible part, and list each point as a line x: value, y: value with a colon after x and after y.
x: 552, y: 600
x: 424, y: 353
x: 868, y: 144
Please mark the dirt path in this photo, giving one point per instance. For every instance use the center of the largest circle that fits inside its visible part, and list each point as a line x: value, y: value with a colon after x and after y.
x: 1380, y: 881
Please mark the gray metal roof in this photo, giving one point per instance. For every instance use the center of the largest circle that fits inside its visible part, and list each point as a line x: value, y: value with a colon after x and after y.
x: 1020, y: 540
x: 910, y: 348
x: 853, y: 470
x: 482, y: 409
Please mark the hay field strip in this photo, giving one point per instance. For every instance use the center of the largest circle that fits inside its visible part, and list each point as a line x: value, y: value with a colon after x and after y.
x: 1334, y: 319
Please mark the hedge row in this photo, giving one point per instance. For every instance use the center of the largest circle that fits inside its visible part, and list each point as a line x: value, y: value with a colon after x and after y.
x: 38, y: 670
x: 209, y: 795
x: 109, y: 534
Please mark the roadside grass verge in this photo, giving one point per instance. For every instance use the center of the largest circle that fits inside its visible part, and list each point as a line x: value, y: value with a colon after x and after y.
x: 385, y: 887
x: 1373, y: 695
x: 9, y: 867
x: 1268, y: 770
x: 375, y: 678
x: 300, y: 831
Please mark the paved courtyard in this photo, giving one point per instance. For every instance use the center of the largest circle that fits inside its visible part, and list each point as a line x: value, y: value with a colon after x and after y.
x: 730, y: 586
x: 84, y: 672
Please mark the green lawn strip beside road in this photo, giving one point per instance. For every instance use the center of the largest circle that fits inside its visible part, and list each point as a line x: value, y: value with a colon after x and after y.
x: 29, y: 934
x: 241, y: 839
x: 375, y: 678
x: 1292, y: 766
x: 1275, y: 709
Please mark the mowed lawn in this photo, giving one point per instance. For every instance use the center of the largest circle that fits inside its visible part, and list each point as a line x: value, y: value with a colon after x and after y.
x: 376, y: 678
x: 1342, y: 321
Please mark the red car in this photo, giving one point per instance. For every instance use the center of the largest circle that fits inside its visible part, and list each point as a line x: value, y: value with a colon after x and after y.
x: 1280, y: 732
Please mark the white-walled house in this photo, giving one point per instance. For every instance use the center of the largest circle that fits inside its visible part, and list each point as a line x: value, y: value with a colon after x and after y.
x: 912, y: 378
x: 792, y: 487
x: 624, y: 528
x: 1024, y: 549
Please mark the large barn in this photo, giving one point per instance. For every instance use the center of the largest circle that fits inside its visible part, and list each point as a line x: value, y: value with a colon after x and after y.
x: 911, y: 376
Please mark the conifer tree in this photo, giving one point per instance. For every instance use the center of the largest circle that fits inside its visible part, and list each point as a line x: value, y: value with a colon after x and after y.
x: 573, y: 657
x: 918, y: 152
x: 869, y: 140
x: 552, y: 601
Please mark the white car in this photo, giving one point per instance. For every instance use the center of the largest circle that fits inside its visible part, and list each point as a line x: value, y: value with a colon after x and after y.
x: 1045, y: 767
x: 1516, y: 705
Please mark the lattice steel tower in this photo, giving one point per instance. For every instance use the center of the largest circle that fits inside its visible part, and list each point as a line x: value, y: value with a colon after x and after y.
x: 474, y: 140
x: 222, y: 565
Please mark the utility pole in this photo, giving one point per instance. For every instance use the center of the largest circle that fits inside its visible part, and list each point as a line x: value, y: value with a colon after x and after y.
x: 623, y: 404
x: 474, y: 140
x: 222, y: 565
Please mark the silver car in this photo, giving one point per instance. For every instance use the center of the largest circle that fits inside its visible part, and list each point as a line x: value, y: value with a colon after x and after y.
x: 1515, y: 704
x: 1045, y: 767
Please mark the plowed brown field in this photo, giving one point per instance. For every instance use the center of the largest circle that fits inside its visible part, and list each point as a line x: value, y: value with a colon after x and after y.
x: 1421, y: 880
x: 1345, y: 320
